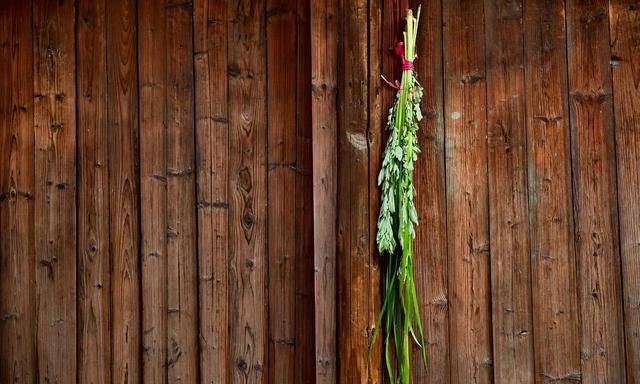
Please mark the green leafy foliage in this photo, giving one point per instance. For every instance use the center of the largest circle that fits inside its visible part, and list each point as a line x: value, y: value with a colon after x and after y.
x: 399, y: 316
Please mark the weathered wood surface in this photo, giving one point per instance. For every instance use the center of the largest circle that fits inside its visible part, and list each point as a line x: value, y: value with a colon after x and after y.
x: 354, y: 245
x: 281, y: 18
x: 152, y: 84
x: 94, y: 266
x: 247, y: 192
x: 17, y: 189
x: 553, y: 271
x: 467, y: 197
x: 182, y: 284
x: 324, y: 67
x: 212, y: 165
x: 508, y: 200
x: 54, y: 125
x: 188, y: 190
x: 624, y: 25
x: 124, y: 191
x: 305, y: 358
x: 374, y: 139
x: 595, y: 203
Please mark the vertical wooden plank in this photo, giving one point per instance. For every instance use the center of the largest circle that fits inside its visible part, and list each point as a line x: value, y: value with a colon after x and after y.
x: 55, y: 194
x: 624, y: 19
x: 247, y: 174
x: 324, y: 132
x: 17, y: 183
x: 305, y: 361
x: 353, y: 195
x: 375, y: 132
x: 430, y: 268
x: 122, y: 98
x: 281, y: 181
x: 553, y: 274
x: 212, y: 163
x: 508, y: 217
x: 94, y: 328
x: 594, y: 183
x: 467, y: 194
x: 182, y: 353
x: 152, y: 83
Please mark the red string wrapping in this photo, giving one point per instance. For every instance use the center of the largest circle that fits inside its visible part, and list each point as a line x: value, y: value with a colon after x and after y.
x: 407, y: 65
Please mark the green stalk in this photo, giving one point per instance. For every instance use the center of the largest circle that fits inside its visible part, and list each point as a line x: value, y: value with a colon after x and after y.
x: 400, y: 312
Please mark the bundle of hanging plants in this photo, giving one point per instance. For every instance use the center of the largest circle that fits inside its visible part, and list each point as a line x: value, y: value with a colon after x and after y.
x: 399, y: 316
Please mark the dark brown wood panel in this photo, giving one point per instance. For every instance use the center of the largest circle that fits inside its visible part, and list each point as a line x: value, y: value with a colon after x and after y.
x: 305, y: 361
x: 247, y: 191
x: 281, y: 156
x: 553, y: 274
x: 17, y: 190
x: 508, y: 198
x: 94, y: 266
x: 212, y: 174
x: 374, y: 136
x: 182, y: 284
x: 54, y: 124
x: 324, y: 67
x: 152, y: 84
x: 467, y: 193
x: 353, y: 210
x: 624, y: 24
x: 595, y: 199
x: 124, y: 191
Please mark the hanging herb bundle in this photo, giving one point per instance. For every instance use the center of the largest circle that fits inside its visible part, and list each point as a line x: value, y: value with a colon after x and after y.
x: 400, y: 314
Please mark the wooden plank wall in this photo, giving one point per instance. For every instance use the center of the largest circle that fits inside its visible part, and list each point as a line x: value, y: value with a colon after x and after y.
x: 157, y: 220
x: 188, y: 190
x: 525, y: 264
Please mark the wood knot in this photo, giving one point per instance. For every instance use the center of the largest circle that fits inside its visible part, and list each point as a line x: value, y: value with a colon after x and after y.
x: 233, y: 70
x: 248, y: 218
x: 242, y: 365
x: 244, y: 181
x: 472, y: 77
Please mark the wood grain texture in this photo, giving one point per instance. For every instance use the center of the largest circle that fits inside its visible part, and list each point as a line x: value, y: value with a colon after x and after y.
x: 354, y: 245
x: 54, y: 124
x: 153, y: 85
x: 595, y: 199
x: 508, y: 197
x: 624, y: 24
x: 223, y: 186
x: 17, y: 189
x: 94, y: 263
x: 553, y: 274
x: 374, y: 136
x: 281, y: 180
x: 467, y: 193
x: 248, y: 191
x: 324, y: 69
x: 305, y: 362
x: 124, y: 189
x: 182, y: 283
x: 430, y: 268
x: 212, y: 174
